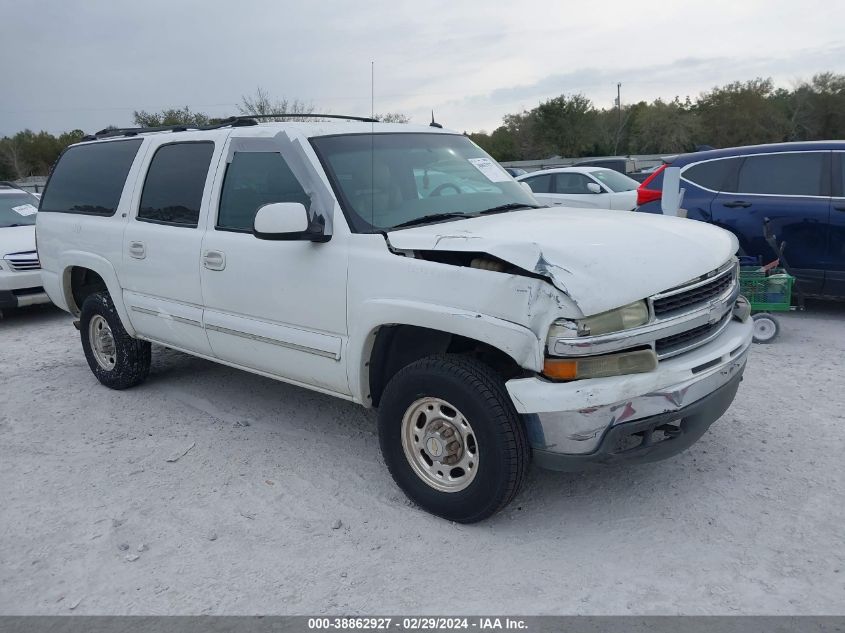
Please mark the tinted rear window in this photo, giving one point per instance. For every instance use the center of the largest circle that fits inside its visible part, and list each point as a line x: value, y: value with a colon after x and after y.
x: 175, y: 182
x: 89, y: 178
x: 712, y: 174
x: 795, y: 174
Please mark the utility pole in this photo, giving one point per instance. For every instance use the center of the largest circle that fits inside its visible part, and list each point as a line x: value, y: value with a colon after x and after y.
x: 619, y: 102
x: 619, y: 110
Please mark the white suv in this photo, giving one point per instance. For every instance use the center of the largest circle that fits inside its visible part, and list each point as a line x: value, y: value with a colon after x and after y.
x: 20, y: 274
x: 400, y: 267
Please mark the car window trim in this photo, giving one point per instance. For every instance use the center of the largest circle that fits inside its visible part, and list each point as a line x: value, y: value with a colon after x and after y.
x: 837, y: 171
x: 184, y: 225
x: 272, y: 148
x: 734, y: 176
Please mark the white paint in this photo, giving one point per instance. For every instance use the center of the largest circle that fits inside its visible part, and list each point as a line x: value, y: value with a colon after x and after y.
x: 307, y: 312
x: 627, y: 256
x: 670, y: 201
x: 603, y: 199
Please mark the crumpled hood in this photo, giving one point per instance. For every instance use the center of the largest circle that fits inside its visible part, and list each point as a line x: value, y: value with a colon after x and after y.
x: 601, y: 259
x: 16, y: 239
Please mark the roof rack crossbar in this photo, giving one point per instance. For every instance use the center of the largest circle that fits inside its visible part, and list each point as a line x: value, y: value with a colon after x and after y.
x: 233, y: 121
x: 304, y: 115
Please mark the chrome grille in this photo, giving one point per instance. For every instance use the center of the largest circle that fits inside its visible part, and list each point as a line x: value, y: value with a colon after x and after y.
x: 681, y: 342
x: 694, y: 294
x: 23, y: 261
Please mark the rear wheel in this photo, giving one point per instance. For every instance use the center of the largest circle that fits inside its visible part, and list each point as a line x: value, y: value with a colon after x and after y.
x: 452, y: 439
x: 117, y: 360
x: 766, y: 327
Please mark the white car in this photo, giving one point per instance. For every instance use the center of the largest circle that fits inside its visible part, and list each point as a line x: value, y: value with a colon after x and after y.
x: 400, y: 267
x: 583, y: 187
x: 20, y: 274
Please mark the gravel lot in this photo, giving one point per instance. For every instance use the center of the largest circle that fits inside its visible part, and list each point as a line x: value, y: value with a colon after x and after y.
x: 95, y: 518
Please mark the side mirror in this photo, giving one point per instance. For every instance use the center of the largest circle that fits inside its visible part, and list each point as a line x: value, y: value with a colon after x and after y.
x: 526, y: 186
x: 594, y: 187
x: 287, y: 221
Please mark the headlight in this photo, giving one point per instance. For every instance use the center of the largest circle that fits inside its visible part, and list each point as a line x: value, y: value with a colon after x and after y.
x: 624, y: 318
x: 636, y: 362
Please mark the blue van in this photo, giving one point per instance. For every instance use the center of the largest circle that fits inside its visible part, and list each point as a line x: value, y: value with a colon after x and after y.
x: 799, y: 187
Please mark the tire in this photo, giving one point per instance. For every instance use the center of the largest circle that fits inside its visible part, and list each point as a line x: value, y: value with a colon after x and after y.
x: 766, y: 328
x: 126, y: 361
x: 494, y: 452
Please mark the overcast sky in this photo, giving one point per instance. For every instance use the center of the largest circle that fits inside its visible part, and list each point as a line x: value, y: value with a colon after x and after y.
x: 71, y: 64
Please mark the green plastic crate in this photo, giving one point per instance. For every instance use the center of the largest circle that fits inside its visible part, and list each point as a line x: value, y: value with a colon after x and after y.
x: 767, y: 291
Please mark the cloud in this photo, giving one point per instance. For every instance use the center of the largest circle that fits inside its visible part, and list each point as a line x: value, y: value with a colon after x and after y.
x: 88, y: 64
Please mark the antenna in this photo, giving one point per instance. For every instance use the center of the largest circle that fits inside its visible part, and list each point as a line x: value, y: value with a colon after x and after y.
x: 433, y: 122
x: 372, y: 90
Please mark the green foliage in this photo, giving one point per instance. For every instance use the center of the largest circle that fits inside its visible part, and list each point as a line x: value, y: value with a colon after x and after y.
x: 29, y: 153
x: 170, y: 116
x: 740, y: 113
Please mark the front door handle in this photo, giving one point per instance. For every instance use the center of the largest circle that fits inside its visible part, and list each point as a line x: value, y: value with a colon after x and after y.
x: 840, y: 207
x: 214, y: 260
x: 137, y: 250
x: 737, y: 204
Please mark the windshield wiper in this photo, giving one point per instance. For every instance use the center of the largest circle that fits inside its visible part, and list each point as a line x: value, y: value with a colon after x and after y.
x: 510, y: 206
x: 432, y: 217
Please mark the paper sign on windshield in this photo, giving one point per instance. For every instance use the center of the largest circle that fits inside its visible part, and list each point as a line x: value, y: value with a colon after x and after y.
x: 490, y: 169
x: 25, y: 209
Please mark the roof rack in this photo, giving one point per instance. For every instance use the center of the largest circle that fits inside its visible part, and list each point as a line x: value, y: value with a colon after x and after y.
x: 232, y: 121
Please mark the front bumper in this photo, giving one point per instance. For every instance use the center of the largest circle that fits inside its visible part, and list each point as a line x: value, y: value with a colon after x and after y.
x: 19, y: 289
x: 640, y: 417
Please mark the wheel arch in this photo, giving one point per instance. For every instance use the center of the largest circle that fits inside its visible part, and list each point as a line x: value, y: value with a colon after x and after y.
x: 85, y: 273
x: 408, y: 331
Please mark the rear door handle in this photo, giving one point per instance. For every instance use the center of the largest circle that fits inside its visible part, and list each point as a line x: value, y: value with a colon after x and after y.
x: 737, y: 203
x: 137, y: 250
x: 214, y: 260
x: 840, y: 207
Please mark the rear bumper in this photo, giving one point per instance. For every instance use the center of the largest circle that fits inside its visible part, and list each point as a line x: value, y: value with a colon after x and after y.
x: 641, y: 417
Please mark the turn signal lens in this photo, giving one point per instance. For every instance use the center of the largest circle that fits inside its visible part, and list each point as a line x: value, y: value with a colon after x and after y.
x: 637, y: 362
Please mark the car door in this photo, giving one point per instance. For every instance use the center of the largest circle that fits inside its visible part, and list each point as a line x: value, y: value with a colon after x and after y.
x: 834, y: 282
x: 275, y: 307
x: 792, y: 191
x: 541, y: 185
x: 570, y: 190
x: 161, y: 245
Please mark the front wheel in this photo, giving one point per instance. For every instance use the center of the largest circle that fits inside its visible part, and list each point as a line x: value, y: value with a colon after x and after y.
x: 452, y: 439
x: 117, y: 360
x: 766, y: 327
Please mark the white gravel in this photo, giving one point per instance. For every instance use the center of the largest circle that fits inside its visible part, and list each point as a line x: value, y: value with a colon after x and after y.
x: 282, y: 504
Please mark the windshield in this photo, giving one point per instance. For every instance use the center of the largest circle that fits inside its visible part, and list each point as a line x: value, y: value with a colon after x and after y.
x: 384, y: 180
x: 614, y: 181
x: 17, y: 209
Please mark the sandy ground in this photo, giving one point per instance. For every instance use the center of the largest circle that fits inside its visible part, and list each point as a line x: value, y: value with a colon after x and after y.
x: 95, y: 519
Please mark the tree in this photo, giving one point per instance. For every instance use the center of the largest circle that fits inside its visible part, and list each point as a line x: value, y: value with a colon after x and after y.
x: 392, y: 117
x: 663, y: 128
x: 741, y: 113
x: 170, y: 117
x: 262, y: 104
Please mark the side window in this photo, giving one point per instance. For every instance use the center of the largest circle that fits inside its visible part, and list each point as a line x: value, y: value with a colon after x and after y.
x: 175, y: 181
x: 252, y: 180
x: 711, y: 174
x: 89, y: 178
x: 795, y: 174
x: 571, y: 183
x: 540, y: 184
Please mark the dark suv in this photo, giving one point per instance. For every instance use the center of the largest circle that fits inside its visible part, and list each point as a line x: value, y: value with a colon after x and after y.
x: 798, y: 187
